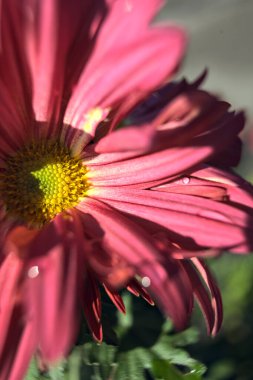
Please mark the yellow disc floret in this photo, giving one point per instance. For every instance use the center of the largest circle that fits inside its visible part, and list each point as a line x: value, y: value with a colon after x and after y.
x: 40, y: 181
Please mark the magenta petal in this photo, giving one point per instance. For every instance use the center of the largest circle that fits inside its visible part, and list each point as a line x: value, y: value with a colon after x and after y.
x: 121, y: 233
x: 127, y: 139
x: 206, y: 292
x: 171, y: 289
x: 168, y: 162
x: 104, y: 85
x: 208, y: 223
x: 116, y: 299
x: 15, y: 85
x: 134, y: 17
x: 18, y: 339
x: 91, y: 301
x: 216, y: 300
x: 135, y: 288
x: 18, y: 351
x: 10, y: 275
x: 168, y: 282
x: 55, y: 34
x: 53, y: 292
x: 237, y: 189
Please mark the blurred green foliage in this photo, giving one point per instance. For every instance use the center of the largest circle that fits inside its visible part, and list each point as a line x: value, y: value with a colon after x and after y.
x: 229, y: 355
x: 140, y: 345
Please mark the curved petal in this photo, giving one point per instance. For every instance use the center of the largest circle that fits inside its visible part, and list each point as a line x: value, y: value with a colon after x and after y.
x: 59, y: 36
x: 116, y: 299
x: 206, y: 292
x: 208, y: 223
x: 103, y: 85
x: 168, y: 283
x: 168, y: 162
x: 54, y: 289
x: 238, y: 190
x: 15, y: 81
x: 91, y: 301
x: 18, y: 340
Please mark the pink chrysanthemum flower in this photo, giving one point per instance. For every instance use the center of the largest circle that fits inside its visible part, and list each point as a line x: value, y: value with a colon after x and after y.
x: 85, y: 203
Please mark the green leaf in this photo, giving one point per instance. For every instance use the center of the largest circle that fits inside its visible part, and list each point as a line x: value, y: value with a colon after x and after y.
x: 33, y: 372
x: 141, y: 345
x: 162, y: 369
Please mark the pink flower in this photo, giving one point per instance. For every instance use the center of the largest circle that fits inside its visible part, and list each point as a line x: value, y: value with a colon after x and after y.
x: 84, y: 202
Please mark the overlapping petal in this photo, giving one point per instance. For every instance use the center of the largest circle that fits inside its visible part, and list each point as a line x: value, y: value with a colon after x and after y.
x: 207, y: 222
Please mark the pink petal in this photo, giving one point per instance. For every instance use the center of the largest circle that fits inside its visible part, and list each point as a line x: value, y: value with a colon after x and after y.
x: 172, y: 291
x: 104, y: 85
x: 168, y: 282
x: 214, y: 293
x: 15, y: 86
x: 59, y: 36
x: 135, y: 288
x: 53, y: 293
x: 127, y: 139
x: 10, y: 276
x: 116, y: 299
x: 18, y: 352
x: 120, y: 233
x: 238, y: 190
x: 208, y: 223
x: 168, y: 162
x: 91, y: 301
x: 208, y: 296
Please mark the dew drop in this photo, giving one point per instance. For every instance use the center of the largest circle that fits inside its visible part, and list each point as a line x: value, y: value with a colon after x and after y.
x: 33, y: 272
x: 146, y: 282
x: 186, y: 180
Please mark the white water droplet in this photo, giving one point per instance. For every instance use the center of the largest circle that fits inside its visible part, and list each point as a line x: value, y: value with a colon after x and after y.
x: 146, y: 282
x: 33, y: 272
x: 186, y: 180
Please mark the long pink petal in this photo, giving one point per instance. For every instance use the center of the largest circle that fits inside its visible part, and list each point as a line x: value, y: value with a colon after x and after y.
x: 53, y: 293
x: 105, y: 85
x: 171, y: 290
x: 214, y: 292
x: 168, y: 283
x: 208, y: 223
x: 238, y: 190
x: 59, y: 37
x: 206, y: 293
x: 91, y: 301
x: 15, y: 85
x: 168, y: 162
x: 15, y: 367
x: 10, y: 276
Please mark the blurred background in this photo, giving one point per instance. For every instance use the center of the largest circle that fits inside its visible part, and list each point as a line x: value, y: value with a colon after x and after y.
x: 220, y: 39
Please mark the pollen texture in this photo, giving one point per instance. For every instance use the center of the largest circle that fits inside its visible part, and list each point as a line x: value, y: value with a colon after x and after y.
x: 40, y: 181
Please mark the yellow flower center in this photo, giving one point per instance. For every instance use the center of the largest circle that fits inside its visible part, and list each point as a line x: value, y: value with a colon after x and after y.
x: 40, y: 181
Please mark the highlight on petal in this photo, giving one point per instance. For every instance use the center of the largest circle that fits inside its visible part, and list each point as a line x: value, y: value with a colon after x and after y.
x: 207, y: 222
x: 206, y: 292
x: 102, y: 86
x: 58, y: 44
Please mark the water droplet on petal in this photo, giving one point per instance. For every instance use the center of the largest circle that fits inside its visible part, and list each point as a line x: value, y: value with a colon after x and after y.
x: 146, y: 282
x: 33, y: 272
x: 186, y: 180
